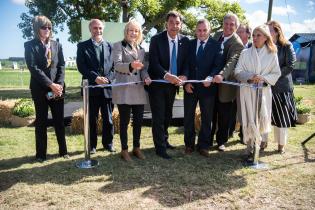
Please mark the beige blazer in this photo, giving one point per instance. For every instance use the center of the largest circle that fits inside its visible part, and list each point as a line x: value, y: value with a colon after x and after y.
x: 231, y: 52
x: 134, y: 94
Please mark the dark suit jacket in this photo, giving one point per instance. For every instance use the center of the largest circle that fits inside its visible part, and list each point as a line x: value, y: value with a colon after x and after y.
x: 211, y: 65
x: 231, y: 52
x: 159, y: 58
x: 88, y: 66
x: 41, y: 75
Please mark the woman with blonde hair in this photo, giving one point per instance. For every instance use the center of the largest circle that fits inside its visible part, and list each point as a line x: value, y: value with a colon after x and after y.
x: 257, y: 65
x: 45, y: 61
x: 284, y: 113
x: 129, y: 66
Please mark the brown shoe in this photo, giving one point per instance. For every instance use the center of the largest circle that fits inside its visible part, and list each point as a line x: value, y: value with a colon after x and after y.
x: 204, y: 153
x: 281, y: 149
x: 125, y: 155
x: 263, y: 145
x: 137, y: 152
x: 188, y: 151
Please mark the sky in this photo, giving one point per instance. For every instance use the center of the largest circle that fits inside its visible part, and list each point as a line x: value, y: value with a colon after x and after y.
x: 296, y: 16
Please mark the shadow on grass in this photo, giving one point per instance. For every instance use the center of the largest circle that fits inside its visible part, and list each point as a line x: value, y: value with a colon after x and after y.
x: 172, y: 183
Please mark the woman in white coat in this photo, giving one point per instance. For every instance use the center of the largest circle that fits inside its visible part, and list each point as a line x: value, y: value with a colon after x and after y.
x: 257, y: 65
x: 128, y: 58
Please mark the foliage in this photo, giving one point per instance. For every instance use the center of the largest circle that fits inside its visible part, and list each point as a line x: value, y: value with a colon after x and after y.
x: 300, y: 107
x: 303, y: 109
x: 24, y: 108
x: 72, y: 12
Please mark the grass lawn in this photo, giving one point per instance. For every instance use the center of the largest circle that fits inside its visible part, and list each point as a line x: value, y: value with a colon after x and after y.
x: 185, y: 182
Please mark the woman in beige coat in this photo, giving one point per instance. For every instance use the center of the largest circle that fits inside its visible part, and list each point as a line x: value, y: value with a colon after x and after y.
x: 128, y: 58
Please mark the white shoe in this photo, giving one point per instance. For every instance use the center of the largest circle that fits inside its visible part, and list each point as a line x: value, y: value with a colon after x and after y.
x: 93, y: 151
x: 221, y: 148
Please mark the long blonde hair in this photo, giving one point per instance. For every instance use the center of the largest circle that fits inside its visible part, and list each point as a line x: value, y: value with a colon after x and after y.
x: 264, y: 29
x: 138, y: 26
x: 38, y: 22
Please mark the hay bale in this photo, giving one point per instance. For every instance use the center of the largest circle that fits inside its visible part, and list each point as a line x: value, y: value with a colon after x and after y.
x: 77, y: 123
x: 197, y: 120
x: 6, y: 108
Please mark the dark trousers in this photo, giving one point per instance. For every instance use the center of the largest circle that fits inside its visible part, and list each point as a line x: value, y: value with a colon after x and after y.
x: 124, y: 116
x: 206, y: 104
x: 95, y: 104
x: 225, y: 111
x: 41, y: 108
x: 233, y: 118
x: 161, y: 98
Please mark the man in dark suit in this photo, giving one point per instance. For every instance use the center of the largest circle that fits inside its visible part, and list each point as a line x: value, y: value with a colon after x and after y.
x: 95, y: 64
x: 205, y: 60
x: 232, y: 47
x: 166, y: 60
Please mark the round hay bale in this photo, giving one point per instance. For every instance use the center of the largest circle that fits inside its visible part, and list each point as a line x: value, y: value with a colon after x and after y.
x: 6, y: 108
x: 197, y: 120
x: 77, y: 123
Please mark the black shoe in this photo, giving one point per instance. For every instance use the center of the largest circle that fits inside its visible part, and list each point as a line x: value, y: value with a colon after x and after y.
x: 40, y: 160
x: 110, y: 148
x: 163, y: 155
x: 169, y: 146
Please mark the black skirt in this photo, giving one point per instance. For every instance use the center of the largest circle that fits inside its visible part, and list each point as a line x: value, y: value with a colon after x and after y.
x: 284, y: 113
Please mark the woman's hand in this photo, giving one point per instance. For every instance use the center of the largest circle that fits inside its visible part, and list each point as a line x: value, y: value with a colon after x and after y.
x: 56, y: 89
x: 257, y: 79
x: 137, y: 65
x: 147, y: 81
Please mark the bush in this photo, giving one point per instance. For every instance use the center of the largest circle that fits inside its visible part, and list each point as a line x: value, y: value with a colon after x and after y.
x: 303, y: 109
x: 24, y: 108
x: 298, y: 99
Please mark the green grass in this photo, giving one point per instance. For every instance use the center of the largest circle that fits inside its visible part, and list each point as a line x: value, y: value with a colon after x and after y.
x: 185, y: 182
x: 20, y: 79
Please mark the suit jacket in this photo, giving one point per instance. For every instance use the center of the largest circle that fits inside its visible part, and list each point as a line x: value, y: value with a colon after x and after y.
x: 231, y: 52
x: 211, y: 65
x: 159, y: 58
x: 287, y: 58
x: 123, y: 55
x: 88, y: 65
x: 41, y: 75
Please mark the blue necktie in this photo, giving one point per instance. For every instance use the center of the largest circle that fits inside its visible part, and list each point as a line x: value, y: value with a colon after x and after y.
x: 200, y: 51
x: 174, y: 60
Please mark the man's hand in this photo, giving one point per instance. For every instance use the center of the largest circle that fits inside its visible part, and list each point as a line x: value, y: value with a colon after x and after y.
x: 189, y: 88
x: 147, y: 81
x: 173, y: 79
x: 208, y: 81
x: 218, y: 78
x: 101, y: 80
x: 56, y: 89
x: 137, y: 65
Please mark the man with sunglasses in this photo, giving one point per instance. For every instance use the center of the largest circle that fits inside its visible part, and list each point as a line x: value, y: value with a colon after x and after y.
x: 95, y: 64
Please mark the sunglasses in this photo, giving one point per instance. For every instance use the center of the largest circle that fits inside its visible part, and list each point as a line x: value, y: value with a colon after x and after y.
x: 45, y: 28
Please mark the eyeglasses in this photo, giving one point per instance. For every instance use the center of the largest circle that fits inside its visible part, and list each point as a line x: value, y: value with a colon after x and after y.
x: 45, y: 28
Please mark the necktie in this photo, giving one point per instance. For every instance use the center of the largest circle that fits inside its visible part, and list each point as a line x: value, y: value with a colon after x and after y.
x: 200, y: 51
x: 174, y: 60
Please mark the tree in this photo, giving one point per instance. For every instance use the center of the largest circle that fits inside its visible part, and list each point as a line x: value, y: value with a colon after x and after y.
x: 72, y: 12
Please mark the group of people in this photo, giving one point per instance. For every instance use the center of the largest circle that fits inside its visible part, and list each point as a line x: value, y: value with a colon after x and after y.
x: 228, y: 55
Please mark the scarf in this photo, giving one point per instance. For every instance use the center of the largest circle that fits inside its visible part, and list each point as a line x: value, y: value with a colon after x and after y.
x: 256, y: 104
